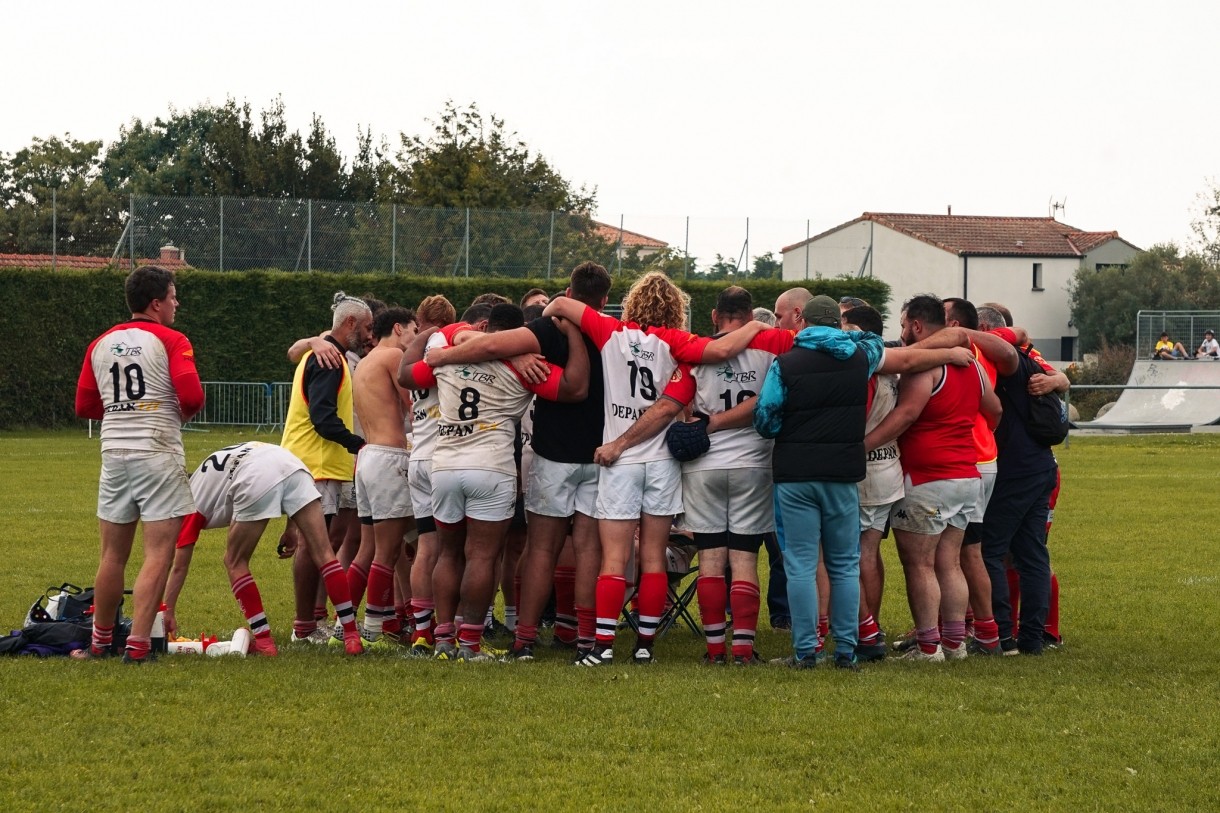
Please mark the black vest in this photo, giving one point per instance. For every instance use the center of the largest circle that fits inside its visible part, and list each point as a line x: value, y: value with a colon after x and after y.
x: 824, y: 413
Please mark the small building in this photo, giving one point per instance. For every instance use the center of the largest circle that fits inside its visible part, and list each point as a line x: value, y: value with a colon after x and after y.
x: 624, y: 240
x: 171, y: 258
x: 1025, y: 263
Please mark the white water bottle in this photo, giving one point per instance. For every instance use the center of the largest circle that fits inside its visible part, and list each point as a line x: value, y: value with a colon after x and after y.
x: 55, y: 606
x: 158, y: 631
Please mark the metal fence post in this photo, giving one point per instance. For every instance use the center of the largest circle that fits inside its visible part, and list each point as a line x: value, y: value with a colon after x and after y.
x: 686, y: 251
x: 131, y: 204
x: 467, y: 241
x: 393, y: 237
x: 222, y: 234
x: 806, y: 250
x: 550, y: 246
x: 309, y: 236
x: 54, y: 231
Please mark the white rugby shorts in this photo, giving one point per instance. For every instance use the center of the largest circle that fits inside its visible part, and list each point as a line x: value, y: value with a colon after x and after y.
x: 480, y: 494
x: 561, y: 489
x: 931, y: 507
x: 739, y: 501
x: 382, y: 490
x: 288, y: 496
x: 134, y: 485
x: 625, y: 490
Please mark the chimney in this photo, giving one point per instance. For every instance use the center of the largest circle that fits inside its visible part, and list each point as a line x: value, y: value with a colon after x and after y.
x: 172, y: 253
x: 950, y: 210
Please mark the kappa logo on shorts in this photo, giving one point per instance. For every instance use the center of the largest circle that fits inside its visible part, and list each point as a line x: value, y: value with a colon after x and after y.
x: 123, y: 350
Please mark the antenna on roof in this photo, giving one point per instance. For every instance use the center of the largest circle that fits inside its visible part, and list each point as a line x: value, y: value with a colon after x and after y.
x: 1056, y: 207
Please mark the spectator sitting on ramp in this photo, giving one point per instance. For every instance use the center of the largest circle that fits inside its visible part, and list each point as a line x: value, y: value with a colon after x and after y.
x: 1167, y: 350
x: 1209, y: 348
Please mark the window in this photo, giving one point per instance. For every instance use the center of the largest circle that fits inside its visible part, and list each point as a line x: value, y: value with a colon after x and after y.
x: 1037, y: 286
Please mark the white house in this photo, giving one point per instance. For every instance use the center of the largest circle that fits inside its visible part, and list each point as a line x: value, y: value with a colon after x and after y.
x: 1025, y: 263
x: 623, y: 240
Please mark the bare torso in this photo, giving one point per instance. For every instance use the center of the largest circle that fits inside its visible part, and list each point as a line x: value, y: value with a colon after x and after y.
x: 380, y: 403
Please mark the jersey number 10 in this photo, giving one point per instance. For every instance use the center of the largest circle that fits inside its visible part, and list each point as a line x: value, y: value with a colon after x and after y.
x: 134, y: 378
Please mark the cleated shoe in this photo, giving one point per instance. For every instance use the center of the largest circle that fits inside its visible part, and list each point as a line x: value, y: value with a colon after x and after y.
x: 642, y: 654
x: 753, y: 659
x: 353, y: 644
x: 556, y: 643
x: 494, y: 651
x: 844, y: 661
x: 445, y: 651
x: 420, y: 649
x: 868, y: 653
x: 904, y: 643
x: 467, y: 655
x: 955, y: 653
x: 597, y: 657
x: 793, y: 662
x: 917, y: 654
x: 149, y: 658
x: 976, y: 648
x: 1008, y: 647
x: 714, y: 660
x: 496, y: 631
x: 319, y: 637
x: 518, y: 654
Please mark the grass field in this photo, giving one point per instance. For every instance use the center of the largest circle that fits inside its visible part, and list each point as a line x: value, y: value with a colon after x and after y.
x: 1125, y: 717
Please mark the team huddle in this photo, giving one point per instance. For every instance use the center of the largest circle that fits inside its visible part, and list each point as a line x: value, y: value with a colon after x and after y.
x: 555, y: 452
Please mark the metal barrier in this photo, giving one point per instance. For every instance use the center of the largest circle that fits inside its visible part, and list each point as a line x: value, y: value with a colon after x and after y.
x: 233, y: 403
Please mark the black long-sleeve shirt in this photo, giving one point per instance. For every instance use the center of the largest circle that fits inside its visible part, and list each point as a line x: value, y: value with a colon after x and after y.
x: 322, y: 394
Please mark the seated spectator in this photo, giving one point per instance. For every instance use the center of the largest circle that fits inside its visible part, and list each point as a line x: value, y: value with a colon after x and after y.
x: 1168, y: 350
x: 1209, y: 348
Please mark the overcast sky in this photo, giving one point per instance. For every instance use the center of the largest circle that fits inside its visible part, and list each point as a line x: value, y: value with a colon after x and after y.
x: 785, y: 113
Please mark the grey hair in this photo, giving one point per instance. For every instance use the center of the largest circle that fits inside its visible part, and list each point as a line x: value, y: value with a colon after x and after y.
x: 347, y: 306
x: 990, y: 318
x: 765, y: 316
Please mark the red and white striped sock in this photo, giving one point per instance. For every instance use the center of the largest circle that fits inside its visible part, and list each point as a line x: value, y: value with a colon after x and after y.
x: 251, y: 604
x: 357, y: 581
x: 335, y: 580
x: 713, y: 597
x: 651, y: 603
x: 744, y: 598
x: 611, y: 590
x: 380, y: 604
x: 102, y: 639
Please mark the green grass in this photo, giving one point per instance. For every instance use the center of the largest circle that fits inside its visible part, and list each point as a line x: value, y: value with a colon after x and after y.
x: 1125, y: 717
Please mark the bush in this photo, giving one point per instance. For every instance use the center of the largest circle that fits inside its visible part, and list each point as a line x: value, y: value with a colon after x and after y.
x: 1112, y: 366
x: 241, y: 323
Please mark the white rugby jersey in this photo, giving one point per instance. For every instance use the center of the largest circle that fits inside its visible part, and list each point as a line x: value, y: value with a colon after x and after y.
x: 245, y: 471
x: 637, y: 365
x: 882, y: 484
x: 425, y: 404
x: 480, y: 405
x: 720, y: 387
x: 132, y: 367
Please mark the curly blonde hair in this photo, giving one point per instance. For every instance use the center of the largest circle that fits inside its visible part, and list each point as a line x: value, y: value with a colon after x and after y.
x: 654, y: 301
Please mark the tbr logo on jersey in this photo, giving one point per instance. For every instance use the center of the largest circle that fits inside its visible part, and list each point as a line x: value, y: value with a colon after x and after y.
x: 468, y: 374
x: 125, y: 351
x: 643, y: 355
x: 731, y: 376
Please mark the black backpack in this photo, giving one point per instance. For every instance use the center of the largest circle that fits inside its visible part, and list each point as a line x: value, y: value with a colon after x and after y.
x: 1046, y: 419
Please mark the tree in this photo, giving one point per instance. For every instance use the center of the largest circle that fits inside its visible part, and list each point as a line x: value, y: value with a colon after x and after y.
x: 767, y: 267
x: 1206, y: 223
x: 1105, y: 302
x: 70, y: 171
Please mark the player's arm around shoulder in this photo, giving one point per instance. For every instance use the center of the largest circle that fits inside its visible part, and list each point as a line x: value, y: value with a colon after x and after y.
x: 914, y: 390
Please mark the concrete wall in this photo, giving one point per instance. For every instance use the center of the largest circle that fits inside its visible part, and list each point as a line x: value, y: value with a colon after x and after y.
x: 1111, y: 252
x: 1009, y: 281
x: 841, y: 252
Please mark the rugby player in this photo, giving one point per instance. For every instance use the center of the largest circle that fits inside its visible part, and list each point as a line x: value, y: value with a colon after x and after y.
x: 242, y: 487
x: 139, y: 380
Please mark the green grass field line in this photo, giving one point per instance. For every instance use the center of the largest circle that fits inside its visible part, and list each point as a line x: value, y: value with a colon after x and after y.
x: 1125, y: 717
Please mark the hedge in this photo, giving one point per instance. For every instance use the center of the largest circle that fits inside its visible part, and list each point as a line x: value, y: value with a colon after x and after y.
x: 241, y: 323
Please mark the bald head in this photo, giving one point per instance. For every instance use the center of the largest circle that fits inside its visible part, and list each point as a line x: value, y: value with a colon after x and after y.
x: 788, y: 308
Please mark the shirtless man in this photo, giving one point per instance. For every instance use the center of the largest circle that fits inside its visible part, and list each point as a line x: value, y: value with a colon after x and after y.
x: 382, y: 492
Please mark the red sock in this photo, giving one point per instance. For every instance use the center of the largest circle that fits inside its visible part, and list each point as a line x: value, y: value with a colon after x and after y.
x: 103, y: 638
x: 138, y: 647
x: 470, y: 636
x: 823, y: 631
x: 380, y: 604
x: 986, y: 631
x: 402, y: 613
x: 422, y: 609
x: 611, y: 590
x: 744, y: 598
x: 304, y: 629
x: 651, y: 602
x: 251, y: 603
x: 586, y: 626
x: 1052, y: 613
x: 336, y: 589
x: 929, y: 639
x: 445, y: 632
x: 357, y: 581
x: 526, y: 635
x: 1014, y: 598
x: 713, y: 597
x: 868, y: 630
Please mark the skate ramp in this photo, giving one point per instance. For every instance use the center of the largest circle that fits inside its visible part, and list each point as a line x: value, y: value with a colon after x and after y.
x: 1171, y: 408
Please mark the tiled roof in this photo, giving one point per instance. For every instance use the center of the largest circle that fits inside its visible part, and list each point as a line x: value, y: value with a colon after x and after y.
x: 630, y: 238
x: 81, y: 263
x: 966, y: 235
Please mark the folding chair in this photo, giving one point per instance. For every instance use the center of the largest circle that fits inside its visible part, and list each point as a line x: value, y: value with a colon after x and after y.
x: 680, y: 564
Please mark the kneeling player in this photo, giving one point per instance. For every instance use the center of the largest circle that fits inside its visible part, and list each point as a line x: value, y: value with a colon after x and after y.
x: 244, y: 487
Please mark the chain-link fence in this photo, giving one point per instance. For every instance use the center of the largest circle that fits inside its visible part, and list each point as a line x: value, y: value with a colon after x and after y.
x: 1185, y: 327
x: 237, y: 234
